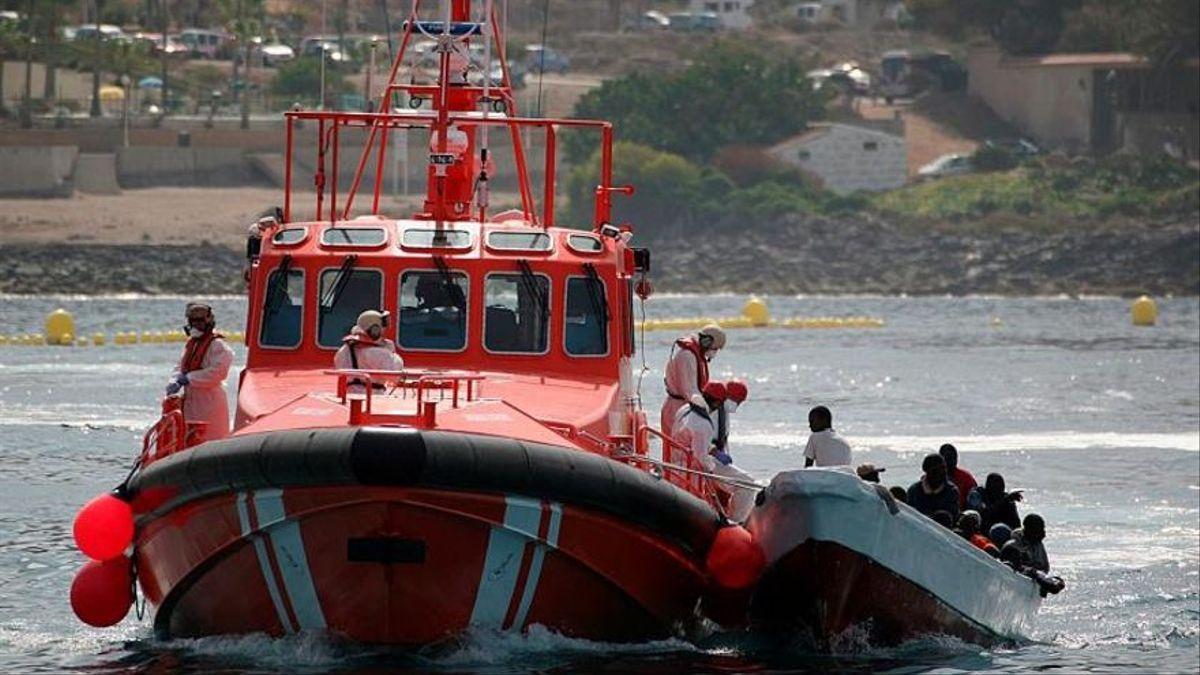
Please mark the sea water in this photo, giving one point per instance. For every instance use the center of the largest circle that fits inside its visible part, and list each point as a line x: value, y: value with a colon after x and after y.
x: 1097, y: 420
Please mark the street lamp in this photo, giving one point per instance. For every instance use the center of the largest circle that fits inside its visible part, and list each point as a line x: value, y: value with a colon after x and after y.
x: 125, y: 81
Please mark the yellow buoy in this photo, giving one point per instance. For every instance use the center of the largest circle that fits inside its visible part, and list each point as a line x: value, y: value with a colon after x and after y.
x: 1144, y: 311
x: 98, y: 339
x: 59, y: 323
x: 3, y: 340
x: 756, y: 310
x: 37, y: 339
x: 81, y: 342
x: 66, y: 340
x: 147, y: 337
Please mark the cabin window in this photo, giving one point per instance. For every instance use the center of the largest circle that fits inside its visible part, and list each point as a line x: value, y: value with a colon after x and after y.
x: 428, y: 238
x: 433, y: 310
x: 345, y: 293
x: 517, y: 313
x: 519, y: 241
x: 585, y: 243
x: 353, y: 236
x: 587, y: 316
x: 283, y: 309
x: 289, y: 236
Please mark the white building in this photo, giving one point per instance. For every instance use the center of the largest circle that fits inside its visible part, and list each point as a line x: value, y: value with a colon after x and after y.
x: 856, y: 13
x: 732, y: 13
x: 848, y: 158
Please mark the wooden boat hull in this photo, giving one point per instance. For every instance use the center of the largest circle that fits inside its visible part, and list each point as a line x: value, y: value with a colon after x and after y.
x: 405, y: 558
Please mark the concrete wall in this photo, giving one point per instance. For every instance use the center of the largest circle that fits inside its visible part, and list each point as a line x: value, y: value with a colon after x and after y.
x: 37, y: 171
x: 1052, y: 104
x: 70, y: 85
x: 146, y: 166
x: 841, y: 156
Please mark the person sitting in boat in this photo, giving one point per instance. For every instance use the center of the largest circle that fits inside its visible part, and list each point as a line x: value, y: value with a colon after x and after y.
x: 999, y: 534
x: 899, y: 493
x: 365, y: 348
x: 869, y: 472
x: 686, y: 373
x: 825, y: 447
x: 1030, y: 538
x: 702, y: 431
x: 933, y: 492
x: 994, y: 504
x: 202, y: 371
x: 968, y: 528
x: 962, y: 479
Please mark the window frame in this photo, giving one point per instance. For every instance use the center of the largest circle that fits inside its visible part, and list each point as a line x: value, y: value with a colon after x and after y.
x: 289, y: 244
x: 582, y: 251
x: 303, y: 308
x: 317, y: 299
x: 608, y: 324
x: 549, y: 250
x: 549, y: 319
x: 324, y: 244
x: 425, y: 228
x: 400, y: 291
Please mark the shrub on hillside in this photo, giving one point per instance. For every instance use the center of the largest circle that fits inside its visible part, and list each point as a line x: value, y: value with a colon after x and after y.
x: 993, y: 158
x: 301, y: 80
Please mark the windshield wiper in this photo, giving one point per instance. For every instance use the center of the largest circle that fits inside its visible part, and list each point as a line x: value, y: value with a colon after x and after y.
x: 277, y: 291
x: 448, y: 284
x: 596, y: 292
x: 533, y: 290
x: 339, y: 284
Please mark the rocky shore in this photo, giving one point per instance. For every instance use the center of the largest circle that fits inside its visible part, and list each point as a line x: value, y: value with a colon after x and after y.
x: 798, y: 254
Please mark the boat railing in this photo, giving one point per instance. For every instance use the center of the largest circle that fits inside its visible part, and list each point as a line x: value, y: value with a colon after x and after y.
x: 690, y: 475
x: 427, y: 387
x: 165, y: 437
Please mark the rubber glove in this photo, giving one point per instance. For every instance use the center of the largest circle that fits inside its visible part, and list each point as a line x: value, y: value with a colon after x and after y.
x: 722, y: 457
x: 173, y: 388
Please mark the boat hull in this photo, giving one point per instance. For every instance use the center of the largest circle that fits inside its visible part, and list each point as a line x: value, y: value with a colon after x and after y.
x: 377, y: 554
x: 847, y: 563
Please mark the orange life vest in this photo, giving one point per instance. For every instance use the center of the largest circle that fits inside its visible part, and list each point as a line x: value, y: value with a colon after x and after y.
x: 195, y: 351
x: 690, y: 344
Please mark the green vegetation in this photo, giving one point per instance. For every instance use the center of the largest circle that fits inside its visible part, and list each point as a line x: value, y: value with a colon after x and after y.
x: 1118, y: 186
x: 300, y: 81
x: 731, y: 94
x: 673, y: 191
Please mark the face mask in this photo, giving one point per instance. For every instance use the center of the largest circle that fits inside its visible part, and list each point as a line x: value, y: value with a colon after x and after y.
x: 194, y: 332
x: 375, y: 332
x: 731, y: 406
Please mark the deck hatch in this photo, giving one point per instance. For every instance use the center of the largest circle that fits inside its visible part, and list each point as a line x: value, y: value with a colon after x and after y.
x: 430, y: 238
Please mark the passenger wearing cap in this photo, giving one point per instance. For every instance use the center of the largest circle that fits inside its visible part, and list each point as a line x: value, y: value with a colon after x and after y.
x: 825, y: 447
x: 365, y: 348
x: 686, y: 373
x: 869, y: 472
x: 702, y: 431
x: 202, y: 371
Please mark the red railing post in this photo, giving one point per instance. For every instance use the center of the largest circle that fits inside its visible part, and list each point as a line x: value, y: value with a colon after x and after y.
x: 548, y: 182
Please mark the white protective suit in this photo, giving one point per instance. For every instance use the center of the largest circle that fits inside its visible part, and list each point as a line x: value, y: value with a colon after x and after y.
x: 370, y: 354
x: 204, y: 397
x: 698, y: 433
x: 683, y: 385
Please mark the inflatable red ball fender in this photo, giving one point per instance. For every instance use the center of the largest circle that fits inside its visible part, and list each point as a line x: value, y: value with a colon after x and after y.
x: 102, y: 592
x: 735, y: 561
x: 104, y: 527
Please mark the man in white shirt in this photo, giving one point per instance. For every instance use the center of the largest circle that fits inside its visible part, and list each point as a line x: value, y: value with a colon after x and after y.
x: 825, y: 447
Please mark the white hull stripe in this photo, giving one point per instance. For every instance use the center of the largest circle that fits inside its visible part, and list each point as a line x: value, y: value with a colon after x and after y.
x: 502, y: 563
x: 535, y: 566
x: 264, y: 565
x: 291, y: 557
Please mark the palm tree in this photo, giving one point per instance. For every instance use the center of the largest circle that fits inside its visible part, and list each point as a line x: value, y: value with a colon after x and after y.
x: 11, y: 41
x: 98, y: 48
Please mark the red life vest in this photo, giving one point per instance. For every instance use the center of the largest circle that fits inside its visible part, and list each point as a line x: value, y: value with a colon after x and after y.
x: 195, y: 351
x: 690, y: 344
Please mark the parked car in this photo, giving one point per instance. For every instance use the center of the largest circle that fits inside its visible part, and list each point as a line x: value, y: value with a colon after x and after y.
x: 649, y: 21
x: 318, y: 45
x: 153, y: 42
x: 205, y: 44
x: 848, y: 76
x: 953, y: 164
x: 693, y: 22
x: 9, y: 16
x: 271, y: 54
x: 516, y: 74
x: 543, y: 59
x: 1021, y: 148
x: 105, y: 31
x: 903, y: 74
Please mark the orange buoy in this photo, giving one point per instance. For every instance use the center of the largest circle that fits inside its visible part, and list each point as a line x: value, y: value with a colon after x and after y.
x: 735, y: 561
x: 104, y: 527
x: 102, y: 592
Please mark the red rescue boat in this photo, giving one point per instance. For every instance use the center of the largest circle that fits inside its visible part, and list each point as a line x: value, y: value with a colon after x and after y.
x: 503, y: 479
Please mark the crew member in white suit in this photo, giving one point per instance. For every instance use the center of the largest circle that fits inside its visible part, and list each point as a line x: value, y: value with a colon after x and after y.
x: 705, y: 431
x: 202, y: 371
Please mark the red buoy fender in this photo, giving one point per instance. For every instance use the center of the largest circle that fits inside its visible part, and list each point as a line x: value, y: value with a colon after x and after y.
x: 102, y: 592
x: 735, y: 561
x: 104, y: 527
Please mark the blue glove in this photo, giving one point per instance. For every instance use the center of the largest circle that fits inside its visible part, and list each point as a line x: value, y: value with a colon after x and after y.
x: 722, y: 457
x: 173, y: 388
